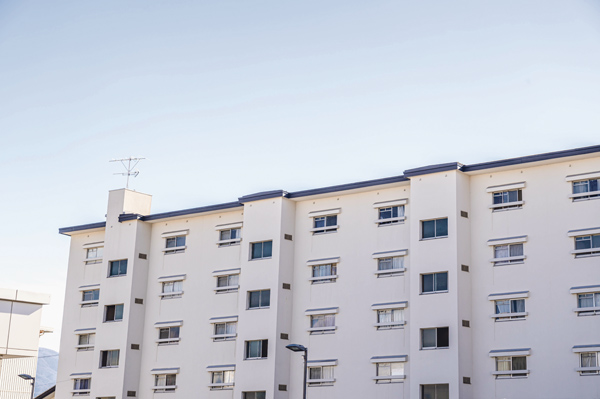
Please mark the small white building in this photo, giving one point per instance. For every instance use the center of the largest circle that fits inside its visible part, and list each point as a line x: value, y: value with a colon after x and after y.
x: 448, y: 281
x: 20, y: 316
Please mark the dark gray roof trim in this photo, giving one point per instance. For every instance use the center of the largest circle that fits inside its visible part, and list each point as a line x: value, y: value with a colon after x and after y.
x: 425, y: 170
x: 511, y: 350
x: 228, y: 270
x: 320, y: 309
x: 263, y: 195
x: 191, y: 211
x: 578, y: 230
x: 222, y: 317
x: 506, y: 238
x: 345, y: 187
x: 532, y: 158
x: 65, y: 230
x: 322, y: 361
x: 389, y: 303
x: 586, y: 346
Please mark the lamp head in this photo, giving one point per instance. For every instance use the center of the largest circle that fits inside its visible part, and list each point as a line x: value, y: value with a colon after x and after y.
x: 26, y: 377
x: 296, y: 348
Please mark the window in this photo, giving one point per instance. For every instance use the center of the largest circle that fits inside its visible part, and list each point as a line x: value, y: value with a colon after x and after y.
x: 175, y: 245
x: 432, y: 338
x: 259, y: 299
x: 437, y: 228
x: 172, y: 289
x: 254, y: 395
x: 165, y: 382
x: 85, y: 342
x: 322, y: 324
x: 168, y: 335
x: 109, y: 358
x: 434, y: 282
x: 90, y: 297
x: 228, y: 283
x: 117, y: 268
x: 222, y: 379
x: 113, y: 313
x: 82, y: 386
x: 589, y: 363
x: 94, y: 255
x: 321, y: 375
x: 390, y: 215
x: 389, y: 318
x: 582, y: 187
x: 435, y: 391
x: 325, y: 224
x: 507, y: 254
x: 587, y: 246
x: 324, y: 273
x: 588, y: 304
x: 390, y: 266
x: 229, y: 237
x: 510, y: 309
x: 262, y: 250
x: 391, y: 370
x: 225, y: 331
x: 257, y: 349
x: 505, y: 365
x: 510, y: 199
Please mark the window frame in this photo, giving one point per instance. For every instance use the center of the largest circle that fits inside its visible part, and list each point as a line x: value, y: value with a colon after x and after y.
x: 327, y: 227
x: 323, y: 329
x: 119, y: 271
x: 174, y: 335
x: 392, y: 325
x: 392, y: 220
x: 228, y: 242
x: 389, y: 378
x: 509, y: 260
x: 114, y: 320
x: 246, y: 395
x: 172, y: 294
x: 329, y: 278
x: 588, y: 194
x: 506, y: 374
x: 90, y: 302
x: 87, y: 346
x: 316, y: 382
x: 226, y: 336
x: 263, y: 349
x: 96, y: 258
x: 260, y: 300
x: 78, y: 390
x: 508, y: 204
x: 435, y: 236
x: 422, y: 388
x: 165, y: 388
x: 220, y: 386
x: 434, y: 283
x: 589, y: 370
x: 510, y: 315
x: 593, y: 310
x: 586, y: 252
x: 437, y: 338
x: 179, y: 247
x: 252, y: 244
x: 111, y: 363
x: 227, y: 288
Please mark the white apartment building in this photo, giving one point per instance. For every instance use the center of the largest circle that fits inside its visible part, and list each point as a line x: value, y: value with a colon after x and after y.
x: 449, y: 281
x: 20, y: 331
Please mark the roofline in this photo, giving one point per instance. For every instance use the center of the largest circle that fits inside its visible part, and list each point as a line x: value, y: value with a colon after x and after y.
x: 46, y: 392
x: 345, y: 187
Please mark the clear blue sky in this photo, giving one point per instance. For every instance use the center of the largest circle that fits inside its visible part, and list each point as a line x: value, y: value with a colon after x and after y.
x: 227, y: 98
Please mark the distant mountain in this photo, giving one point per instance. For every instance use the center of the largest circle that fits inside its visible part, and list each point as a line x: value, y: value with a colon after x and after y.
x: 46, y: 370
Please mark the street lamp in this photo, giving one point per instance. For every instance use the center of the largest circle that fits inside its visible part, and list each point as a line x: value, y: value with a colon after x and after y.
x: 28, y: 377
x: 301, y: 348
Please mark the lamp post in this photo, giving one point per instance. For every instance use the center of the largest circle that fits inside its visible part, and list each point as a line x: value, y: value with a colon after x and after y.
x: 301, y: 348
x: 28, y: 377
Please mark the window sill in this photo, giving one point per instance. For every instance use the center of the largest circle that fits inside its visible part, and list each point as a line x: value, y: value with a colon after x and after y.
x: 88, y: 304
x: 507, y: 206
x: 508, y: 260
x: 259, y: 308
x: 256, y: 358
x: 588, y: 309
x: 117, y: 275
x: 596, y: 369
x: 81, y: 393
x: 510, y: 372
x: 109, y: 367
x: 391, y: 221
x: 390, y: 271
x: 174, y: 250
x: 580, y: 196
x: 92, y: 261
x: 224, y: 337
x: 392, y: 325
x: 433, y: 238
x: 324, y: 230
x: 168, y: 341
x: 436, y: 348
x: 267, y: 257
x: 434, y: 292
x: 228, y: 243
x: 586, y: 253
x: 223, y: 386
x: 84, y: 348
x: 112, y: 321
x: 322, y: 330
x: 229, y: 288
x: 324, y: 279
x: 509, y: 316
x: 321, y: 382
x: 170, y: 388
x: 389, y: 377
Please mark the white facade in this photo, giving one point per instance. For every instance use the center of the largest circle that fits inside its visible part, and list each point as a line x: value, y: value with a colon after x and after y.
x: 450, y: 281
x: 20, y: 316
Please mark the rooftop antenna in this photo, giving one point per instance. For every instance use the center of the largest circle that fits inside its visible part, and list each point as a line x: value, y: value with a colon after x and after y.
x: 127, y: 164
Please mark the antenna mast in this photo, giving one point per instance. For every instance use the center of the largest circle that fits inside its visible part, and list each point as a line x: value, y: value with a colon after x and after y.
x: 126, y: 162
